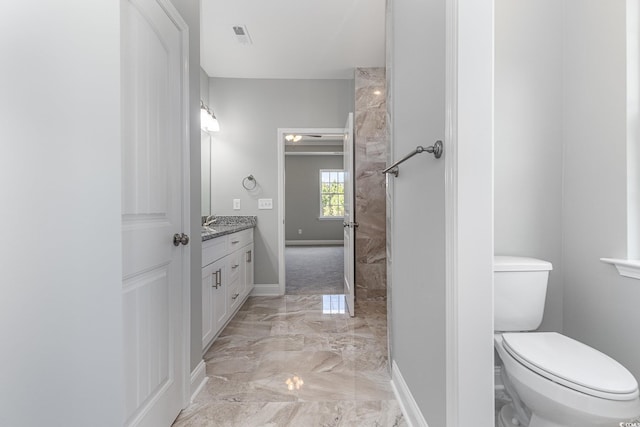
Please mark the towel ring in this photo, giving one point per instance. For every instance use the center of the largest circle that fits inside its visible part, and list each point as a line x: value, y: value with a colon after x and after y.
x: 249, y: 183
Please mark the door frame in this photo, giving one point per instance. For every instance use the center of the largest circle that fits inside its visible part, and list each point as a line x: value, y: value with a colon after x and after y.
x: 469, y: 232
x: 282, y: 277
x: 185, y: 343
x: 186, y: 204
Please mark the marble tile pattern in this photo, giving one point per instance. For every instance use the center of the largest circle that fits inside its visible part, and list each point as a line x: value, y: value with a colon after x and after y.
x: 289, y: 361
x: 370, y: 198
x: 227, y: 225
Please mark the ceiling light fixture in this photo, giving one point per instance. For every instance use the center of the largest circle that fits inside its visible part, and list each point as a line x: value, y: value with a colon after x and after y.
x: 208, y: 121
x: 293, y: 138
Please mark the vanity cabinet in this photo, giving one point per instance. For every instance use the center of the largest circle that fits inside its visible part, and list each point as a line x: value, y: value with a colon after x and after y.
x: 227, y: 280
x: 214, y: 307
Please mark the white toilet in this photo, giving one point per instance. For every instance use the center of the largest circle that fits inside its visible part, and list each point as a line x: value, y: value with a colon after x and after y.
x: 553, y: 380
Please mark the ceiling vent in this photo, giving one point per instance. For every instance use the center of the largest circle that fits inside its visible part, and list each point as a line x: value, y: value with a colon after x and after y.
x: 242, y: 34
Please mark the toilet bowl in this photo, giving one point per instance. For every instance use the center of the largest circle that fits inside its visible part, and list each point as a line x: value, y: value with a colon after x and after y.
x: 554, y: 381
x: 564, y: 383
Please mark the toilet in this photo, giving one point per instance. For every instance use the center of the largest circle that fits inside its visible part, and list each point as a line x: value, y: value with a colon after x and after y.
x: 552, y: 380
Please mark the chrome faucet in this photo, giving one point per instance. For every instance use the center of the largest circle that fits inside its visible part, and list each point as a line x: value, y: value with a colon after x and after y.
x: 211, y: 219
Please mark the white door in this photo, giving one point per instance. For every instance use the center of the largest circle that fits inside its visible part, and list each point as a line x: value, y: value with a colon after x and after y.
x: 349, y: 218
x: 154, y: 209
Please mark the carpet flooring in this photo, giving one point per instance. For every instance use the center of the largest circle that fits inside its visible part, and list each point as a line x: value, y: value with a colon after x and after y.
x: 313, y: 270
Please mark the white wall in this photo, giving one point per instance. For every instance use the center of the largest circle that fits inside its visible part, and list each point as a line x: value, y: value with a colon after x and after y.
x: 528, y: 138
x: 250, y: 111
x: 600, y: 307
x: 561, y: 93
x: 60, y: 310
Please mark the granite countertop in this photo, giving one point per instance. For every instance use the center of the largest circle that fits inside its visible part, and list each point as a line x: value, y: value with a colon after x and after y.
x: 227, y: 225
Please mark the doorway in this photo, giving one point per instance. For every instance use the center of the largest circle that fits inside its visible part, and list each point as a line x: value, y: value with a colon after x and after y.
x: 312, y: 177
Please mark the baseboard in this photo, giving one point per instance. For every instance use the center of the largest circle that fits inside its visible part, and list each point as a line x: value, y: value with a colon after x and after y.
x: 314, y: 243
x: 198, y: 379
x: 407, y: 403
x: 266, y: 290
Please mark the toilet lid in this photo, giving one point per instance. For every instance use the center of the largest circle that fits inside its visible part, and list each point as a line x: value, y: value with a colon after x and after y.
x: 572, y: 364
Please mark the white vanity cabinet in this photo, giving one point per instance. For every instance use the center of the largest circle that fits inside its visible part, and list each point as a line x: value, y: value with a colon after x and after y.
x: 214, y: 307
x: 247, y: 269
x: 227, y: 280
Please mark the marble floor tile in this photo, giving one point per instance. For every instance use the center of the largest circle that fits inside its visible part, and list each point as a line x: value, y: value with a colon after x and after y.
x: 294, y: 361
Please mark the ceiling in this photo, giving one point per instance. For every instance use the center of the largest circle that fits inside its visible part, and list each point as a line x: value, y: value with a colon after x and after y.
x: 292, y: 39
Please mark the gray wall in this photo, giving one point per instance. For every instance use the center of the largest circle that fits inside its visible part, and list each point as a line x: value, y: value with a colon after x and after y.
x: 302, y: 198
x: 418, y: 267
x: 250, y: 111
x: 190, y: 11
x: 528, y: 138
x: 60, y: 310
x: 600, y: 307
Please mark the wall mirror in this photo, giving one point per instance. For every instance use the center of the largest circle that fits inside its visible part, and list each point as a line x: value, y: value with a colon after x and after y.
x: 206, y: 173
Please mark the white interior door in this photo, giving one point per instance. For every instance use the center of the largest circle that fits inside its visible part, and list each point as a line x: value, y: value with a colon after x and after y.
x: 349, y: 218
x: 154, y: 209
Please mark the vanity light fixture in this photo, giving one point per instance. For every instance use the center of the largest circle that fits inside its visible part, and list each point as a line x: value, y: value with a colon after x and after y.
x: 293, y: 138
x: 208, y: 121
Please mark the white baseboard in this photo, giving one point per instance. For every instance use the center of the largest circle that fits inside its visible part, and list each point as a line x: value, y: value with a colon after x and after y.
x: 407, y: 403
x: 314, y: 242
x: 266, y: 290
x: 198, y: 379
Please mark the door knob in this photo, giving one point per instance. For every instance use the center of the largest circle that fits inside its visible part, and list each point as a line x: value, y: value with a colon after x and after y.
x: 180, y: 238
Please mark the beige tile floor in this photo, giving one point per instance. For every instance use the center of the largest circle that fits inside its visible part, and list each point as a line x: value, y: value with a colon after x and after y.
x: 298, y: 360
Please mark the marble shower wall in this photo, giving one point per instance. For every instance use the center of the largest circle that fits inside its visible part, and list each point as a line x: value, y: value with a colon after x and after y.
x: 370, y: 199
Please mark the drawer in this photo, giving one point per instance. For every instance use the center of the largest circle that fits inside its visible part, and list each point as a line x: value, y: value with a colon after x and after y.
x: 240, y: 239
x: 235, y: 262
x: 214, y: 249
x: 233, y: 295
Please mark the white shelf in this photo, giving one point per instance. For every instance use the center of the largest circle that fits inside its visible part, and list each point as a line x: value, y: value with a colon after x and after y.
x: 626, y: 267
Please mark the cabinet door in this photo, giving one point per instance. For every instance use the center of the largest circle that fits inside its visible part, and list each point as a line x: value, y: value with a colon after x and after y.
x: 214, y: 301
x: 220, y: 306
x: 208, y: 281
x: 247, y: 269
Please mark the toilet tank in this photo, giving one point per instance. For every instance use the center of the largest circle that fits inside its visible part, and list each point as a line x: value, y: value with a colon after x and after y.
x: 519, y: 292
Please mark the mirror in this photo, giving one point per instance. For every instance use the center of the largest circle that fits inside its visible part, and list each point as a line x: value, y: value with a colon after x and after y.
x: 205, y: 173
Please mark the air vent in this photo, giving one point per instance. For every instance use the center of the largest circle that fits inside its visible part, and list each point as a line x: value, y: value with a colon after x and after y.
x: 242, y: 34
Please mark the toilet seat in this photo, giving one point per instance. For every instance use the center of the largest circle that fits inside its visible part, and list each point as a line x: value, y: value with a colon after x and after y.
x: 571, y: 364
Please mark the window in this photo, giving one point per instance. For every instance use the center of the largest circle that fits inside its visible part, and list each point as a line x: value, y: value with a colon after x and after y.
x: 331, y: 193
